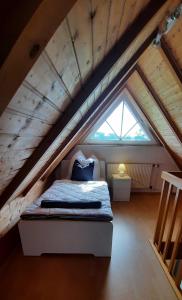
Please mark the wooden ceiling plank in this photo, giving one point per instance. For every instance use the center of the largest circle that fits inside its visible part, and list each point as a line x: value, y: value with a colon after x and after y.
x: 100, y: 21
x: 130, y: 10
x: 154, y: 113
x: 171, y: 59
x: 29, y: 46
x: 60, y: 51
x: 72, y: 138
x: 21, y: 125
x: 152, y: 125
x: 159, y: 103
x: 173, y: 39
x: 116, y: 13
x: 38, y: 94
x: 44, y: 78
x: 80, y: 29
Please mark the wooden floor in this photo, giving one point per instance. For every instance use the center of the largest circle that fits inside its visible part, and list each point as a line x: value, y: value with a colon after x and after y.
x: 133, y: 273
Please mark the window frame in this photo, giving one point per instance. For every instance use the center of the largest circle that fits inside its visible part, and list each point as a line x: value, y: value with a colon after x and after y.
x: 108, y: 112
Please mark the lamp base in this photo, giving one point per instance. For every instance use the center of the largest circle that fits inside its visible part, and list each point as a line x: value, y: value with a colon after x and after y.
x: 122, y: 174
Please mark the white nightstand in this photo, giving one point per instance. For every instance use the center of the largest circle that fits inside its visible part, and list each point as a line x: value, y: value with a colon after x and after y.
x: 121, y: 187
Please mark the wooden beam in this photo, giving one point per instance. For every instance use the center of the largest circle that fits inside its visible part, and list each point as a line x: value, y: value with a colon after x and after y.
x: 159, y: 103
x: 29, y: 45
x: 58, y: 156
x: 152, y: 125
x: 171, y: 59
x: 14, y: 15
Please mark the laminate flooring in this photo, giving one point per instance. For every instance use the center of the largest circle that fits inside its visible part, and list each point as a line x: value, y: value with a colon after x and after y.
x: 132, y: 273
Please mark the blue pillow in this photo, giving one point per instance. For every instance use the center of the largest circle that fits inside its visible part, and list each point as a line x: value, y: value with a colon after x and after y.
x: 82, y: 172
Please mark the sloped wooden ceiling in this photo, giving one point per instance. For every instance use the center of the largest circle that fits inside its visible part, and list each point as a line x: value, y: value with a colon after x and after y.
x: 158, y: 91
x: 76, y: 48
x: 51, y: 90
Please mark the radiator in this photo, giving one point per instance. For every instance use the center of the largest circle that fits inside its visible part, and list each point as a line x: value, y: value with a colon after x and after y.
x: 139, y: 173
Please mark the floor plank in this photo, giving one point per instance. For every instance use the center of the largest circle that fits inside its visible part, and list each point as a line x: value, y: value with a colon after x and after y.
x: 133, y: 273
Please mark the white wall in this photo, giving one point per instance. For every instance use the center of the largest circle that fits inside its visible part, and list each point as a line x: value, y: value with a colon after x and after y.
x: 132, y: 154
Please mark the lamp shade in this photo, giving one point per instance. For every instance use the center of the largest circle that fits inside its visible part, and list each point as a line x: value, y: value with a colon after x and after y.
x: 122, y: 169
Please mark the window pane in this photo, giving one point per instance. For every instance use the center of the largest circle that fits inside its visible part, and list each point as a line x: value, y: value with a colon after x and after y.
x: 128, y: 120
x: 114, y: 119
x: 136, y: 134
x: 104, y: 133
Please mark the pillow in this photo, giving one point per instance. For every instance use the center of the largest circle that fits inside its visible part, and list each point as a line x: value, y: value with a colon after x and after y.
x: 77, y: 156
x: 96, y: 173
x: 82, y: 173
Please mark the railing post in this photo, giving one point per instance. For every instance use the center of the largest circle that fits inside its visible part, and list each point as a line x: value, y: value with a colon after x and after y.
x: 172, y: 222
x: 164, y: 217
x: 167, y: 242
x: 165, y: 185
x: 176, y: 247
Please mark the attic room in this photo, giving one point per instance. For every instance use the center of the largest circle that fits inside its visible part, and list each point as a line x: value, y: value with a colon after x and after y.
x: 91, y: 150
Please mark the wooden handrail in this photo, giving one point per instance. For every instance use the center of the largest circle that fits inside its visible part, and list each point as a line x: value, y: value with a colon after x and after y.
x: 168, y: 231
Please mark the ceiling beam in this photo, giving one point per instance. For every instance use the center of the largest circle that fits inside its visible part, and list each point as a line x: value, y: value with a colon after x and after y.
x: 171, y: 59
x: 14, y: 15
x: 122, y: 75
x: 159, y: 103
x: 152, y: 125
x: 46, y: 16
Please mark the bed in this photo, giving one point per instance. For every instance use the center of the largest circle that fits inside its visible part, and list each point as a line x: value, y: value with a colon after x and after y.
x: 60, y: 230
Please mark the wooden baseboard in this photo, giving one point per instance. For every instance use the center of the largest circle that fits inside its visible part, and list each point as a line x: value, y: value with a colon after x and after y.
x: 169, y: 277
x: 8, y: 243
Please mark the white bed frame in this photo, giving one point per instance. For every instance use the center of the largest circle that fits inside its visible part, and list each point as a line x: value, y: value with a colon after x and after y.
x: 66, y: 236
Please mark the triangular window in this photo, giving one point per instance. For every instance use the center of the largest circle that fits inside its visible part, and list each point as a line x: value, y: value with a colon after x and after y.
x: 120, y: 125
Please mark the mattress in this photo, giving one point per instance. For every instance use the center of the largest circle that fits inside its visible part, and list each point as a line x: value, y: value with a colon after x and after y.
x: 67, y: 190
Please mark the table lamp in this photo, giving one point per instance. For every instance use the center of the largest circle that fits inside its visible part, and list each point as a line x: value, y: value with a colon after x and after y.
x: 122, y: 170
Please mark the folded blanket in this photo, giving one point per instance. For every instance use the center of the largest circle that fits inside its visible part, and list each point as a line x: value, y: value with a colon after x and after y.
x: 70, y: 204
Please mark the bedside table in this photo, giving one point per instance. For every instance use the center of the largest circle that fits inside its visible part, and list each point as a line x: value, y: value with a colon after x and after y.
x: 121, y: 187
